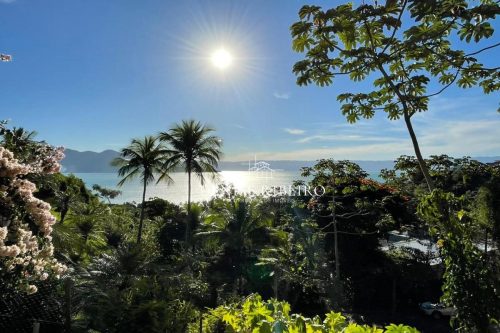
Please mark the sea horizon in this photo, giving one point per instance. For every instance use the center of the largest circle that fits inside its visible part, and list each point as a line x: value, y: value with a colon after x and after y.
x: 177, y: 192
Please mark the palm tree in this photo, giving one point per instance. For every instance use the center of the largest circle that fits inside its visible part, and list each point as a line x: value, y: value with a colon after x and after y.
x: 143, y: 158
x: 18, y: 141
x: 193, y: 148
x: 240, y: 225
x: 17, y: 136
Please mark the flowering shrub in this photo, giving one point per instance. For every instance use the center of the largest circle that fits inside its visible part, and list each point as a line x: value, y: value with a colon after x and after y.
x: 26, y: 250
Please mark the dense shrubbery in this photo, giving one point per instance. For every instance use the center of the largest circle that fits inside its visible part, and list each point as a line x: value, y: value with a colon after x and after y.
x: 272, y: 316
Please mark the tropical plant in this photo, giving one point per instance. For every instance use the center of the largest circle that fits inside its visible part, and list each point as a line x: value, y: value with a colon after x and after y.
x: 66, y: 192
x: 126, y: 290
x: 468, y: 281
x: 272, y: 316
x: 337, y: 177
x: 42, y: 158
x: 17, y: 140
x: 191, y: 147
x: 403, y: 46
x: 106, y: 193
x: 144, y: 159
x: 297, y: 260
x: 486, y: 211
x: 240, y: 225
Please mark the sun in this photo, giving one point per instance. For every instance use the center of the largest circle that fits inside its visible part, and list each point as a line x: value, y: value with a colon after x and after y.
x: 221, y: 59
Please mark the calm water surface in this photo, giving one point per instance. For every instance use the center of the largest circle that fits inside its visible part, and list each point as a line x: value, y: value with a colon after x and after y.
x: 243, y: 181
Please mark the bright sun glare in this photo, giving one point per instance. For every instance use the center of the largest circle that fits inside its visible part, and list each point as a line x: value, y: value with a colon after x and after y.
x: 221, y: 59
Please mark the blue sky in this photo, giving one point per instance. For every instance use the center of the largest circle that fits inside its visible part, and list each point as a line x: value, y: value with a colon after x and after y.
x: 92, y: 74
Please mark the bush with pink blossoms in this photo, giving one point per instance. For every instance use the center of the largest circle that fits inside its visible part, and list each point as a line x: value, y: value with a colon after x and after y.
x: 26, y: 250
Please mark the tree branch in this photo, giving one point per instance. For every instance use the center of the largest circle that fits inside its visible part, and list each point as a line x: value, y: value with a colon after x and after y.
x: 391, y: 39
x: 483, y: 49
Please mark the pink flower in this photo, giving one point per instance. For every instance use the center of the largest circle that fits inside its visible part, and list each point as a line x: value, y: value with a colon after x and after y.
x: 9, y: 251
x: 3, y: 233
x: 28, y: 254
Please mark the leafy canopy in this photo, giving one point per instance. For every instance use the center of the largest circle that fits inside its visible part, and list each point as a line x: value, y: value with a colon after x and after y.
x: 402, y: 45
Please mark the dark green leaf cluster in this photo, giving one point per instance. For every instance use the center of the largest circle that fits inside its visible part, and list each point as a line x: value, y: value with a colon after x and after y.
x: 468, y: 279
x: 402, y: 46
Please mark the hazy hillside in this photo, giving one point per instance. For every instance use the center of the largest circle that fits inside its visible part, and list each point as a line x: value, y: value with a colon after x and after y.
x: 368, y: 166
x: 89, y: 161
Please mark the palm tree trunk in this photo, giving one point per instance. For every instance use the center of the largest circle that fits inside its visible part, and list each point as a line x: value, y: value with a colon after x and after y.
x: 64, y: 208
x: 68, y: 285
x: 139, y: 234
x: 188, y: 222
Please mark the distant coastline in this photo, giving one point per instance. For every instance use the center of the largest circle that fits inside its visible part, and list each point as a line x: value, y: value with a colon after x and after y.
x: 99, y: 162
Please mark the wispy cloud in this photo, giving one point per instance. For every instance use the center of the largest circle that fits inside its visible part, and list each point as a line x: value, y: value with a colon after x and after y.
x: 294, y: 131
x: 282, y: 95
x: 361, y: 152
x: 473, y: 138
x: 239, y: 126
x: 352, y: 138
x: 455, y: 138
x: 7, y: 1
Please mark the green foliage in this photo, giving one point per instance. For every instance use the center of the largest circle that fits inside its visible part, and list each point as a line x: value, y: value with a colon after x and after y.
x: 402, y: 47
x: 254, y: 315
x: 457, y: 175
x: 106, y: 193
x: 192, y: 148
x: 238, y: 222
x: 144, y: 159
x: 468, y: 282
x: 405, y: 43
x: 486, y: 211
x: 296, y: 254
x: 240, y: 226
x: 284, y: 246
x: 19, y: 141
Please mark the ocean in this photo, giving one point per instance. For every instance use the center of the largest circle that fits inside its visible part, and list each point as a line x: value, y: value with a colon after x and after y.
x: 177, y: 192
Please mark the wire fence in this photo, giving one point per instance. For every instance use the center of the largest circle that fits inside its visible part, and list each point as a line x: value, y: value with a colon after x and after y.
x: 20, y: 312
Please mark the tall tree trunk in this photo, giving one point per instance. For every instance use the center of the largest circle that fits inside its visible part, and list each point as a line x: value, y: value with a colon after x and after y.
x: 418, y: 154
x: 139, y: 235
x: 335, y: 235
x: 394, y: 297
x: 68, y: 285
x: 188, y: 221
x: 409, y: 126
x: 64, y: 209
x: 275, y: 284
x: 486, y: 241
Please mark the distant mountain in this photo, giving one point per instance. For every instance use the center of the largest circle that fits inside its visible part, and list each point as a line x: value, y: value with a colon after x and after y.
x: 368, y: 166
x: 487, y: 159
x: 89, y: 161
